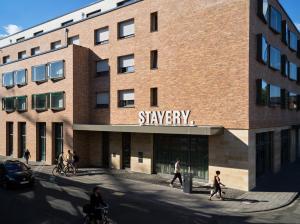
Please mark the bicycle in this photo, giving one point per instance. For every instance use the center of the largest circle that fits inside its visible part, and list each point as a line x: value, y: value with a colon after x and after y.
x: 70, y: 169
x: 90, y: 217
x: 58, y: 170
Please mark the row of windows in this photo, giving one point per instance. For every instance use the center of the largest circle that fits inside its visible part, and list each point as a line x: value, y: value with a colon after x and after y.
x: 125, y: 98
x: 272, y: 16
x: 39, y: 102
x: 273, y: 96
x: 41, y: 73
x: 125, y: 29
x: 271, y: 56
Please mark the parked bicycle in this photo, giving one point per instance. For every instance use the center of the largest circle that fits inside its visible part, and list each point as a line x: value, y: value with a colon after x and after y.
x: 90, y: 217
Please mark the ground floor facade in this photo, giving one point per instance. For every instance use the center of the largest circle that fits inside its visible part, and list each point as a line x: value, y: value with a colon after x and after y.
x: 242, y: 156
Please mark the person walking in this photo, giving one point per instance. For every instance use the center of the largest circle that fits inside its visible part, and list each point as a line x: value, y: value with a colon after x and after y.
x: 27, y: 155
x: 75, y: 161
x: 177, y: 173
x: 217, y: 186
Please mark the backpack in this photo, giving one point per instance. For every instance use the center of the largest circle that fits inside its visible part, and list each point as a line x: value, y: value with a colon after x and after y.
x: 76, y: 158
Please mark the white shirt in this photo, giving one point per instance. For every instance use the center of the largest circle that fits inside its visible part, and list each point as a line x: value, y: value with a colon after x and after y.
x: 177, y: 167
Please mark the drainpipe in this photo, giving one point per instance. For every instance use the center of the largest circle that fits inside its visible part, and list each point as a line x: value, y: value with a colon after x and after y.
x: 66, y: 36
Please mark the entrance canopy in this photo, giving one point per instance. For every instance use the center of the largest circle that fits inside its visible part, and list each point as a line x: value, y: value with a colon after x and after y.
x: 183, y: 130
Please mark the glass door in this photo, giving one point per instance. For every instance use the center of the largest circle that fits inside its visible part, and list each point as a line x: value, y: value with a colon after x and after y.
x: 22, y: 138
x: 126, y: 146
x: 58, y: 139
x: 42, y: 141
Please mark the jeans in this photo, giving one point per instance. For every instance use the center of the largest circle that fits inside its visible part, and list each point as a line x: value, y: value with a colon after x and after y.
x: 177, y: 175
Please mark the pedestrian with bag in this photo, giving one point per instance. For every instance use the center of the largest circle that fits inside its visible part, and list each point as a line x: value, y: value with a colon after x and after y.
x: 177, y: 174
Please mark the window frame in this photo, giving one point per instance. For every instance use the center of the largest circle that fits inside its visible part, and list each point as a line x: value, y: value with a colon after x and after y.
x: 260, y: 99
x: 102, y: 73
x: 96, y: 35
x: 274, y: 104
x: 260, y: 10
x: 4, y: 107
x: 64, y: 99
x: 46, y: 75
x: 154, y: 59
x: 270, y: 57
x: 290, y: 73
x: 15, y: 77
x: 154, y: 97
x: 103, y: 106
x: 127, y: 36
x: 17, y: 103
x: 120, y: 104
x: 49, y: 70
x: 293, y: 48
x: 120, y: 69
x: 33, y: 104
x: 13, y: 80
x: 52, y: 45
x: 22, y: 55
x: 274, y: 29
x: 154, y: 22
x: 261, y: 40
x: 32, y: 50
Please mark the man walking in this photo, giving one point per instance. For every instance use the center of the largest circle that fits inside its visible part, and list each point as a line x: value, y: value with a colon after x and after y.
x: 27, y: 155
x: 177, y: 173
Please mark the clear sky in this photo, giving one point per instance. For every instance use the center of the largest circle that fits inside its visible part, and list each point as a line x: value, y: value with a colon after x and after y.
x: 21, y: 14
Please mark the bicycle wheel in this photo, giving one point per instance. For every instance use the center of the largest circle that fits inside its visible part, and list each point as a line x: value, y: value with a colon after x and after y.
x: 69, y: 171
x: 55, y: 171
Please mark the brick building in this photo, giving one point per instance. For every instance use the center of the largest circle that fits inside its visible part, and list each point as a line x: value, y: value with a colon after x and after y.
x: 137, y: 84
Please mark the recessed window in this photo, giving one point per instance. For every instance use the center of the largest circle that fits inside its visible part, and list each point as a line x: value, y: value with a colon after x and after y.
x: 6, y: 59
x: 56, y: 70
x: 38, y: 73
x: 102, y: 35
x: 57, y: 100
x: 262, y: 94
x: 285, y: 32
x: 126, y: 98
x: 124, y: 2
x: 22, y: 55
x: 38, y: 33
x: 55, y: 45
x: 153, y: 97
x: 21, y: 77
x: 154, y: 22
x: 8, y: 79
x: 103, y: 67
x: 67, y: 22
x: 126, y: 64
x: 275, y: 96
x: 275, y: 20
x: 263, y: 10
x: 21, y: 103
x: 285, y: 66
x: 262, y: 49
x: 140, y: 157
x: 275, y: 58
x: 10, y: 138
x: 74, y: 40
x: 293, y: 71
x: 126, y: 29
x: 93, y: 13
x: 293, y: 41
x: 102, y: 100
x: 153, y: 59
x: 292, y: 101
x: 35, y: 51
x: 20, y: 39
x: 40, y: 102
x: 8, y: 104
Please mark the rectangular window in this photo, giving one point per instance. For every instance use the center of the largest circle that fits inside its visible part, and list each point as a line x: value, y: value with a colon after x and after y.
x: 20, y: 39
x: 292, y: 101
x: 6, y: 59
x: 126, y: 29
x: 41, y: 141
x: 74, y: 40
x: 40, y: 102
x: 56, y: 70
x: 126, y: 64
x: 93, y: 13
x: 58, y: 139
x: 263, y: 10
x: 22, y: 138
x: 55, y: 45
x: 38, y: 33
x: 124, y: 2
x: 262, y: 49
x: 275, y: 96
x: 67, y: 22
x: 102, y: 100
x: 153, y: 97
x: 35, y: 51
x: 262, y: 94
x: 21, y: 77
x: 10, y: 138
x: 140, y: 157
x: 103, y: 67
x: 126, y: 98
x: 22, y: 55
x: 38, y: 73
x: 153, y: 59
x: 8, y: 104
x: 285, y: 66
x: 285, y: 32
x: 21, y: 103
x: 275, y: 58
x: 8, y: 79
x: 102, y: 35
x: 293, y: 41
x: 154, y: 22
x: 275, y: 20
x: 57, y: 101
x: 293, y: 71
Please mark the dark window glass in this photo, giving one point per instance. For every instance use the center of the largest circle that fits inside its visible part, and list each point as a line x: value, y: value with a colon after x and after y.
x: 292, y: 101
x: 22, y: 138
x: 154, y: 59
x: 285, y: 146
x: 275, y: 96
x: 285, y: 66
x: 275, y: 20
x: 40, y: 101
x: 55, y: 45
x: 57, y: 101
x: 8, y: 104
x: 264, y: 153
x: 153, y: 96
x: 20, y: 39
x: 126, y: 64
x: 93, y: 13
x: 262, y: 92
x: 10, y: 138
x: 21, y: 103
x: 35, y: 51
x: 124, y: 2
x: 22, y: 55
x: 126, y: 98
x: 140, y: 157
x: 293, y: 41
x: 38, y: 33
x: 41, y: 144
x: 6, y: 59
x: 275, y: 58
x: 293, y: 71
x: 67, y: 22
x: 262, y: 49
x: 126, y: 29
x: 102, y: 67
x: 58, y: 139
x: 285, y: 32
x: 102, y: 100
x: 154, y: 22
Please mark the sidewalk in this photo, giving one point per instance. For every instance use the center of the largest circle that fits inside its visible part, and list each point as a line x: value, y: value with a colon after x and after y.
x: 272, y: 194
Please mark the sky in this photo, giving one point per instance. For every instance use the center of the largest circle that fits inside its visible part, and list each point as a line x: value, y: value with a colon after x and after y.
x: 21, y: 14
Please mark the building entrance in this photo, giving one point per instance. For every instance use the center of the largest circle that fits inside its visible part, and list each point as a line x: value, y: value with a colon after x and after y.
x: 192, y: 150
x: 126, y: 148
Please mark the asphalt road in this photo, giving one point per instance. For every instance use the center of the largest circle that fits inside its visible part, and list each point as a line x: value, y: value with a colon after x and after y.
x: 61, y: 201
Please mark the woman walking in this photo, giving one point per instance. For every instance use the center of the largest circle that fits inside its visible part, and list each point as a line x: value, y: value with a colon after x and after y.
x: 217, y: 186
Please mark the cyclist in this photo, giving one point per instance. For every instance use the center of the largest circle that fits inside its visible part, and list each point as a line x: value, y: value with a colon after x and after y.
x: 60, y: 162
x: 96, y: 203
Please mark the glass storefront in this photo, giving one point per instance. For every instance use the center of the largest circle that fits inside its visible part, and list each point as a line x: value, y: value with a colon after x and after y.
x: 191, y: 150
